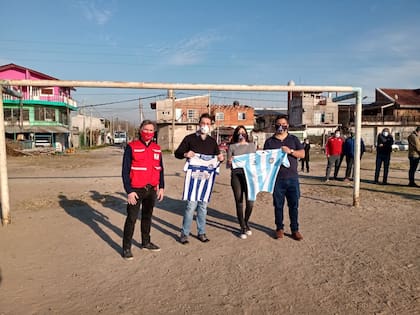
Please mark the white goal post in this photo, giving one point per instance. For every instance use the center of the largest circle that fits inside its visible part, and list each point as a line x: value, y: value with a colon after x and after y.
x: 357, y: 93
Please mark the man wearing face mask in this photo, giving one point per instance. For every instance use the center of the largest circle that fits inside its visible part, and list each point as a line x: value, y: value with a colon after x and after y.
x: 287, y: 181
x: 333, y: 150
x: 142, y: 174
x: 384, y: 144
x: 202, y: 143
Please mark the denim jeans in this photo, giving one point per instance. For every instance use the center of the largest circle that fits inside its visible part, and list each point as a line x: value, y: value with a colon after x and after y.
x: 201, y: 207
x: 286, y: 189
x: 414, y: 162
x: 382, y: 158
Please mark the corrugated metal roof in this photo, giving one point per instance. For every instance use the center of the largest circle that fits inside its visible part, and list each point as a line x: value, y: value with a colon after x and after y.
x: 36, y: 129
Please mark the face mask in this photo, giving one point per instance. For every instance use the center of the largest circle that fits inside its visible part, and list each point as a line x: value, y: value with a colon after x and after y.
x: 307, y: 142
x: 385, y: 134
x: 242, y: 137
x: 204, y: 129
x: 147, y: 136
x: 281, y: 128
x: 337, y: 135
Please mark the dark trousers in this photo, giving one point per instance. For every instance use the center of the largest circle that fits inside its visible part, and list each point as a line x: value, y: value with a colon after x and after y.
x: 147, y: 199
x: 239, y: 188
x: 305, y: 161
x: 288, y: 189
x: 385, y: 159
x: 349, y: 165
x: 414, y: 162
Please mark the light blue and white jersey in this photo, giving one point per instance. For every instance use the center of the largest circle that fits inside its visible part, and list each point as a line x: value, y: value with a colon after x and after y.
x: 261, y: 169
x: 200, y: 176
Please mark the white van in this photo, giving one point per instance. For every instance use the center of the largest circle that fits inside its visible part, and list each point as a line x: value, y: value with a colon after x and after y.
x: 120, y: 137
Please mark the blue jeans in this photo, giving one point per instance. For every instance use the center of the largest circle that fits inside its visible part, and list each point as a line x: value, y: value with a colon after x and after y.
x: 286, y: 189
x: 201, y: 207
x: 385, y: 159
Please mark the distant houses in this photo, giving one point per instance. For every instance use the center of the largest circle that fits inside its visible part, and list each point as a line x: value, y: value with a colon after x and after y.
x: 41, y: 117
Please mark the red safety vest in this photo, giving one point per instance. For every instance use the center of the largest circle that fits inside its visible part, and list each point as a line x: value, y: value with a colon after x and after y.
x: 145, y: 164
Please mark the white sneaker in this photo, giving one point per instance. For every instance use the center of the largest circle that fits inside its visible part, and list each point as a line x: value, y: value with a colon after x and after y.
x: 248, y: 232
x: 243, y: 236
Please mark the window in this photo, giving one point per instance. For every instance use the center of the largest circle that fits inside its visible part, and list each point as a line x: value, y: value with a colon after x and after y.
x: 40, y: 113
x: 47, y: 91
x: 50, y: 114
x: 241, y: 116
x: 220, y: 116
x: 13, y: 114
x: 63, y: 117
x: 190, y: 113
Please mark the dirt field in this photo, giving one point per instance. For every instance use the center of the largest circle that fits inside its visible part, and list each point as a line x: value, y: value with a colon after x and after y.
x: 61, y: 254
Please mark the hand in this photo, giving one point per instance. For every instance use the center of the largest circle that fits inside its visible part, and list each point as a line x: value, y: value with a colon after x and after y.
x: 220, y: 157
x: 132, y: 198
x: 286, y: 149
x: 160, y: 194
x: 189, y: 154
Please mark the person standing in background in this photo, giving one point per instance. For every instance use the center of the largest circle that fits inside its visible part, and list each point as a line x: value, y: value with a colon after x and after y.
x: 240, y: 145
x: 348, y: 151
x: 333, y: 150
x: 384, y: 144
x: 142, y: 174
x: 413, y: 155
x: 305, y: 160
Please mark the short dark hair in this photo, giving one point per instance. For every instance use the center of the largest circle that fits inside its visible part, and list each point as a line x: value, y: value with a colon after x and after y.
x: 147, y: 122
x: 204, y: 115
x: 282, y: 117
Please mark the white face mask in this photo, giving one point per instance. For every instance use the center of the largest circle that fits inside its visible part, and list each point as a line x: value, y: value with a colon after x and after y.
x: 337, y: 135
x: 204, y: 129
x: 385, y: 134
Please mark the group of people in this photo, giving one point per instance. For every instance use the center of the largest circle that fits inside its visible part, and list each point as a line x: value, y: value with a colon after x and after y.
x: 143, y: 179
x: 336, y: 149
x: 383, y: 155
x: 143, y: 175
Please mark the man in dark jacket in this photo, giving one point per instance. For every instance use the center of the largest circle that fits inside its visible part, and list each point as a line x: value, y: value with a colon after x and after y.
x: 383, y: 154
x: 348, y: 151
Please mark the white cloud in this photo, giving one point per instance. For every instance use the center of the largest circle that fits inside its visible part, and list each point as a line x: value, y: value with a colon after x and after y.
x: 93, y: 13
x: 190, y: 51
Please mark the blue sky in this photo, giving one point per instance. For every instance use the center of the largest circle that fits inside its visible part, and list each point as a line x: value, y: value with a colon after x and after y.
x: 368, y: 44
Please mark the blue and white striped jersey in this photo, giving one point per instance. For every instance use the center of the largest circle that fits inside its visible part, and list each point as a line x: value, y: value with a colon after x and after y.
x: 200, y: 176
x: 261, y: 169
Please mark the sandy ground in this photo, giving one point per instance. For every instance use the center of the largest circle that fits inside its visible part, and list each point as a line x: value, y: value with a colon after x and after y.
x: 61, y: 254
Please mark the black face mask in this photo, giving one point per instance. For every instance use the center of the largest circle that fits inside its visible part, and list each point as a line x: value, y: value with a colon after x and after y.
x: 281, y: 128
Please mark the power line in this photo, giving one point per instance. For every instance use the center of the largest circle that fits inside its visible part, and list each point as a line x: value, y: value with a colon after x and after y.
x: 123, y: 101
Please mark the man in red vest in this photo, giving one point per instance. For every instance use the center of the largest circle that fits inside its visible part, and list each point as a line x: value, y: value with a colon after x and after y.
x: 142, y: 174
x: 333, y: 150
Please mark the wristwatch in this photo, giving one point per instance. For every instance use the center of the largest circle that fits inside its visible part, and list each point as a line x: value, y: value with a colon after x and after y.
x: 291, y: 151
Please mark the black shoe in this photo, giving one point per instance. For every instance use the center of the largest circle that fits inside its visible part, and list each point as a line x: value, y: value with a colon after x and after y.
x: 203, y: 238
x: 413, y: 185
x: 151, y: 246
x: 127, y: 255
x: 183, y: 239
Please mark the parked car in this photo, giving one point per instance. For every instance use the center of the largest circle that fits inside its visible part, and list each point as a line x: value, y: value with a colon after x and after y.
x: 400, y: 145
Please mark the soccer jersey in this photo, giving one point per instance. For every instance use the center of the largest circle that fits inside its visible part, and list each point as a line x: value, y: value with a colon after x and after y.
x: 200, y: 173
x: 261, y: 169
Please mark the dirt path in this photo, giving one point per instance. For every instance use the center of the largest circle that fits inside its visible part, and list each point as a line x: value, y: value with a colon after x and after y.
x: 61, y: 254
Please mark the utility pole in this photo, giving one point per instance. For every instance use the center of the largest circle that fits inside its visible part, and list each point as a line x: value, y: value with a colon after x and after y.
x: 172, y: 96
x: 141, y: 110
x: 90, y: 129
